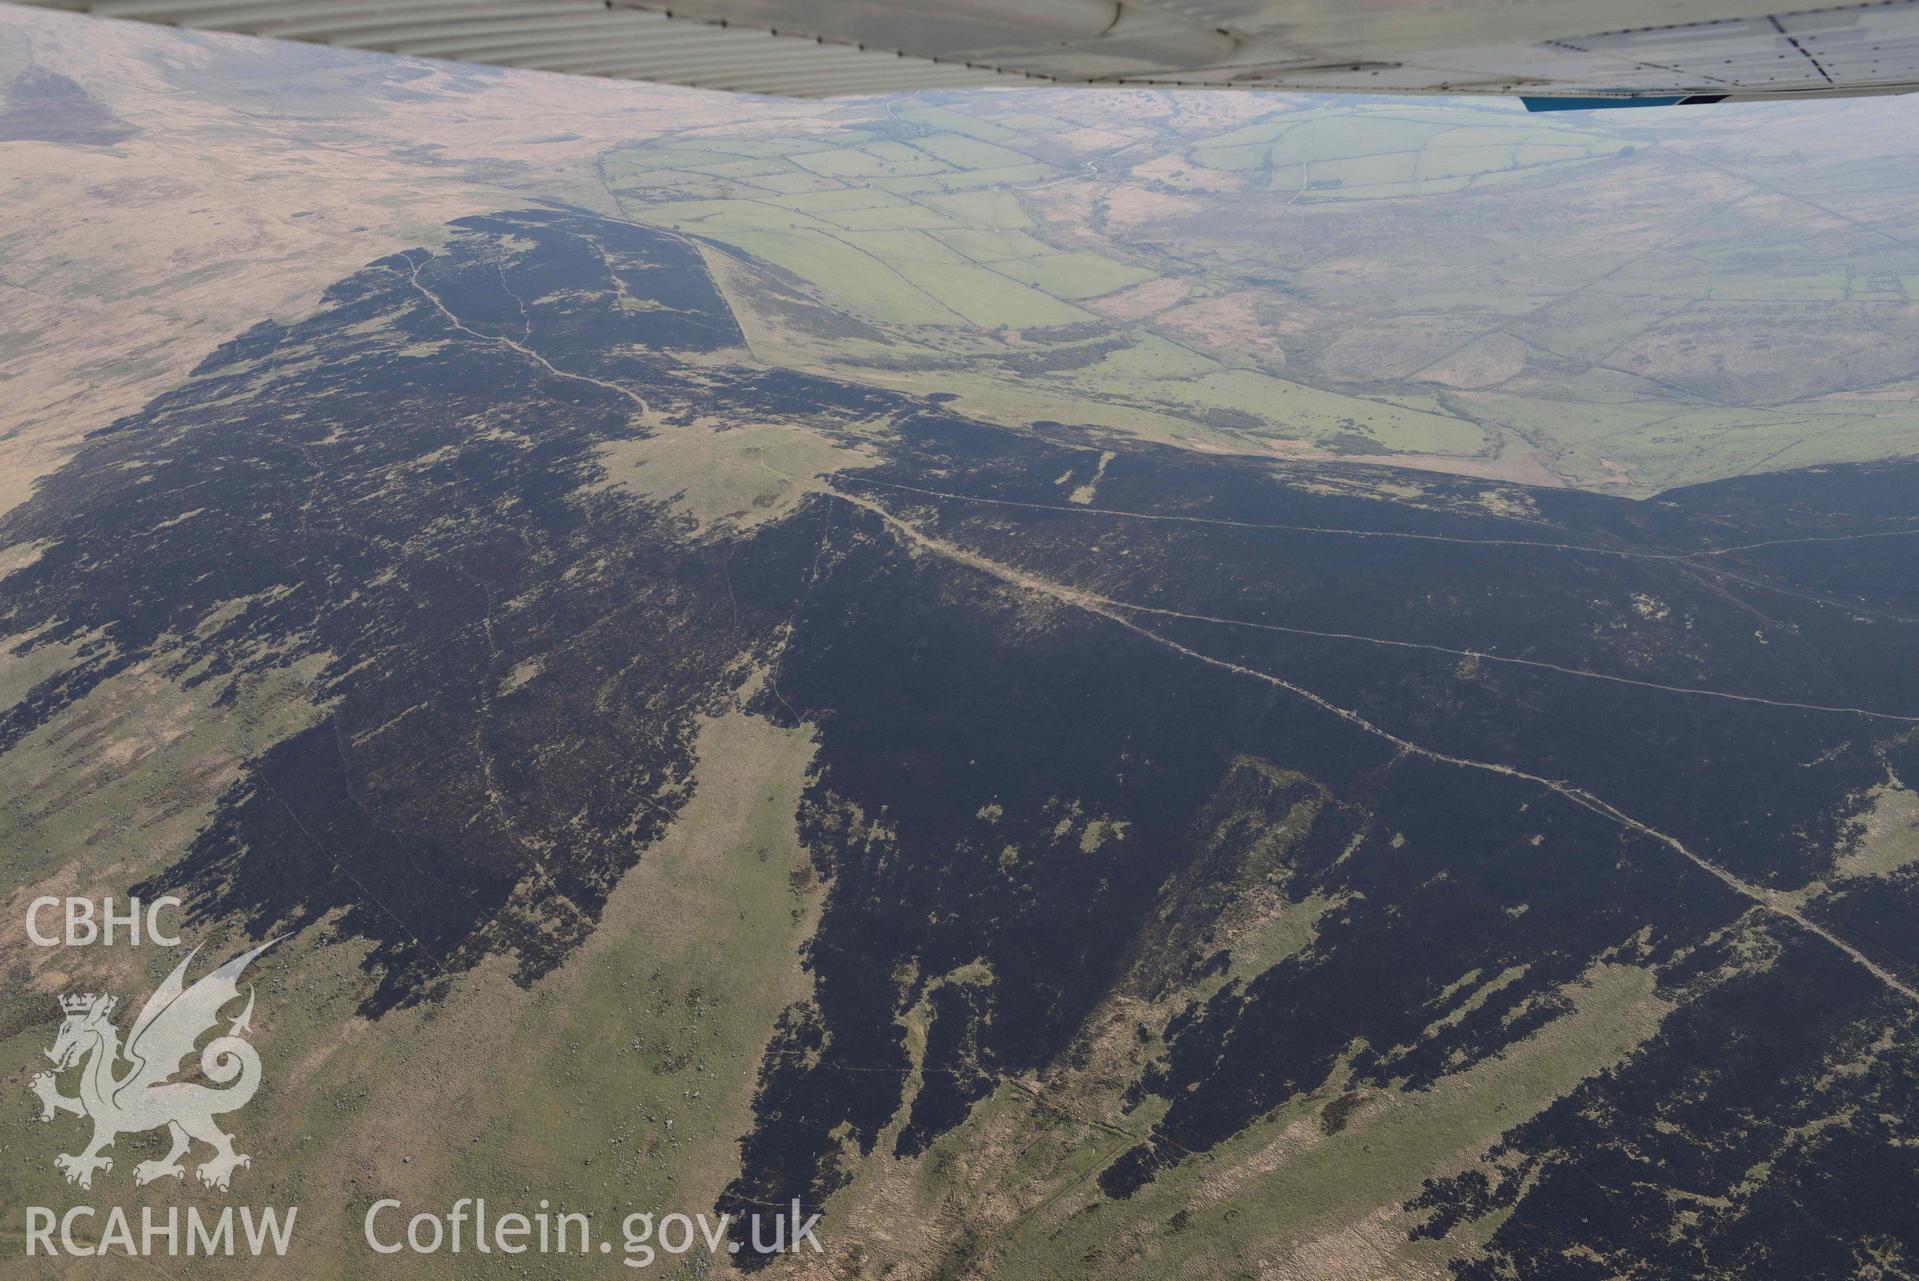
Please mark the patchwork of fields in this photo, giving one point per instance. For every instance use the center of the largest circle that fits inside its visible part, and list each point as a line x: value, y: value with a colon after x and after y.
x: 918, y: 228
x: 1396, y: 151
x: 1583, y: 301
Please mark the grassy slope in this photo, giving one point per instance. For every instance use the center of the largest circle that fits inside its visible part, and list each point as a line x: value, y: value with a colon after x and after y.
x: 621, y: 1082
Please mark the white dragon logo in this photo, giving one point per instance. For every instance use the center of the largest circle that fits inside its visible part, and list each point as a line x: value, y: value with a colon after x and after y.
x: 143, y: 1097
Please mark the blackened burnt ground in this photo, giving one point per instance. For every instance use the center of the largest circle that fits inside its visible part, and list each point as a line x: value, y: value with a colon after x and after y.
x: 397, y: 490
x: 1501, y: 732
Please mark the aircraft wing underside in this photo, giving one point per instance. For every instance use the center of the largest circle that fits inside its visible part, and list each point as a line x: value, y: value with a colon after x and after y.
x: 1552, y: 52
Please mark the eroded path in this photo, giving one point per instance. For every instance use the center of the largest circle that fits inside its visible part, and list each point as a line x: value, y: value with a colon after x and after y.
x: 1120, y: 614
